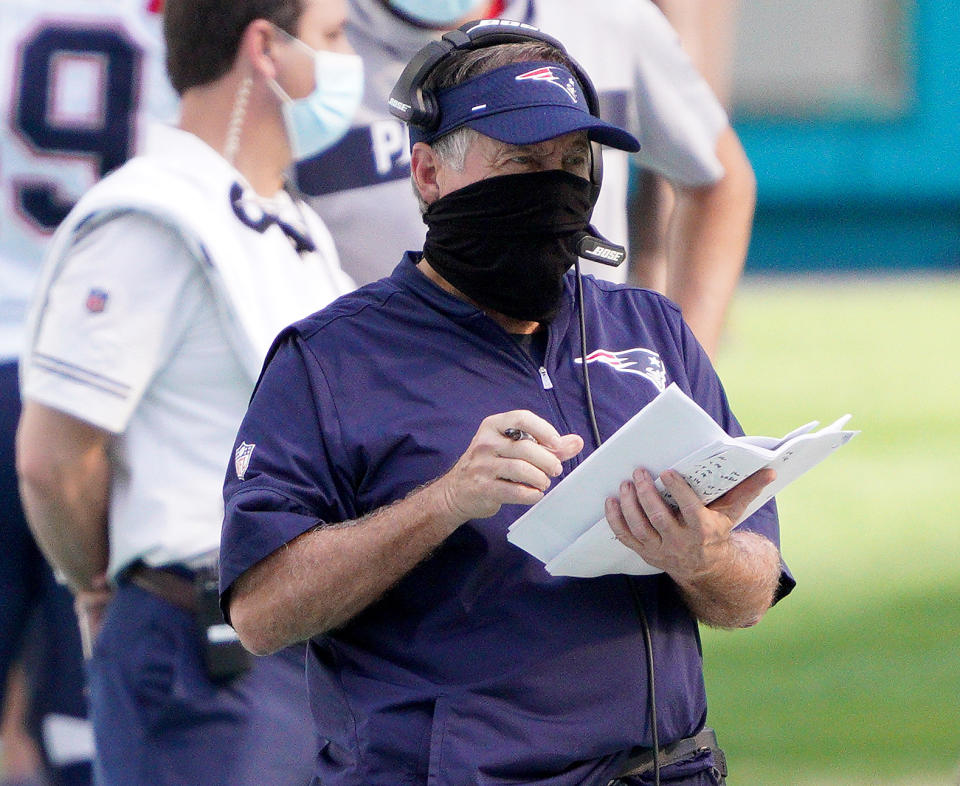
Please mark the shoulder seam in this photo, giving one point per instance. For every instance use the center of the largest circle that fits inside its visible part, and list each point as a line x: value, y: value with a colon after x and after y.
x: 321, y: 319
x: 630, y: 289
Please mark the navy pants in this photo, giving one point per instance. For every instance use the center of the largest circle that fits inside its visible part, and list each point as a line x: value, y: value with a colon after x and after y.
x: 159, y: 720
x: 32, y: 601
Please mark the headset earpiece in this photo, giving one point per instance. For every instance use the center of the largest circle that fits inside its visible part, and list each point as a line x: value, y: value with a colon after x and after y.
x: 407, y: 99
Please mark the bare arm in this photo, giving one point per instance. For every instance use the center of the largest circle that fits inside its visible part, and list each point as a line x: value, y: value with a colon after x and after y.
x: 64, y: 476
x: 727, y: 577
x: 707, y: 242
x: 328, y: 575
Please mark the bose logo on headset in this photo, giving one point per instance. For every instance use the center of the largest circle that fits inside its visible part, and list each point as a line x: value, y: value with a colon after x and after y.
x: 500, y: 23
x: 600, y: 250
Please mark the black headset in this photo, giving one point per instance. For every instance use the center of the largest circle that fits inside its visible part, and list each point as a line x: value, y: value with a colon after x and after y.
x: 419, y: 107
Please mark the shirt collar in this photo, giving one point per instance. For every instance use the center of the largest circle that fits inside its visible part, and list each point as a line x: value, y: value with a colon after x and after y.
x: 407, y: 276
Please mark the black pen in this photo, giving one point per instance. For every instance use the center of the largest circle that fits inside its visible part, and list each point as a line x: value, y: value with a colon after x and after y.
x: 517, y: 434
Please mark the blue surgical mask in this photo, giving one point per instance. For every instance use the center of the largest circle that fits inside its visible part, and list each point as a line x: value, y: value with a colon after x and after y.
x: 318, y: 121
x: 435, y: 13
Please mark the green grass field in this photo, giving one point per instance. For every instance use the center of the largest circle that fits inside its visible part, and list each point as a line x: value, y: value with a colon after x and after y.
x: 855, y: 678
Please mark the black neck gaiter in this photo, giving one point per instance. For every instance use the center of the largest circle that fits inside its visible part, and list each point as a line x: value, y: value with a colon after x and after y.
x: 506, y: 242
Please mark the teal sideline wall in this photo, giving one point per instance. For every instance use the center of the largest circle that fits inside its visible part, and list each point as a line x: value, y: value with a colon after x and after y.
x: 857, y: 195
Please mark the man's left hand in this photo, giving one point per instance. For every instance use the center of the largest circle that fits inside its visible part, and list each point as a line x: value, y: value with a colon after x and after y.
x: 687, y: 542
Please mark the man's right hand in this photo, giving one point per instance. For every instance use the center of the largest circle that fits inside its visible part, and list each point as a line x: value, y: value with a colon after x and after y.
x: 278, y: 601
x: 90, y: 606
x: 497, y: 469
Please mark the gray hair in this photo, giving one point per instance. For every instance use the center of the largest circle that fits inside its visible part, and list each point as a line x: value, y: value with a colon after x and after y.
x: 451, y: 151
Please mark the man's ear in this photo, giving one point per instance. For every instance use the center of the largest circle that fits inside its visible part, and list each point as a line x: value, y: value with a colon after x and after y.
x: 257, y: 47
x: 424, y: 167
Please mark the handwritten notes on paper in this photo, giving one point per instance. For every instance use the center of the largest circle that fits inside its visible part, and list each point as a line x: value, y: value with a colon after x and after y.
x: 567, y: 529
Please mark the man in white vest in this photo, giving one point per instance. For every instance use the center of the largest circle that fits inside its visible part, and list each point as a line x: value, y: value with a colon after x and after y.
x: 160, y: 295
x: 79, y: 80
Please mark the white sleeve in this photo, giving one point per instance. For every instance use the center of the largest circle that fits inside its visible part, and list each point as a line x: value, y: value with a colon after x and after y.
x: 678, y: 116
x: 112, y: 317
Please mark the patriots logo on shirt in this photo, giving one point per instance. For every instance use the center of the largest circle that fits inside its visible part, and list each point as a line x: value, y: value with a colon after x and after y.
x: 547, y: 74
x: 96, y: 301
x: 639, y: 361
x: 241, y: 458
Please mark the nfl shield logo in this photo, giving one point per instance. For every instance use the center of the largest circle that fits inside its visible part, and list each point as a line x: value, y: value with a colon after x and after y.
x: 241, y: 458
x: 97, y: 300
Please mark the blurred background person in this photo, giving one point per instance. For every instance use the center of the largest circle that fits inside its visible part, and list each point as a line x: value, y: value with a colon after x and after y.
x: 78, y: 80
x: 646, y: 83
x: 707, y: 32
x: 162, y: 291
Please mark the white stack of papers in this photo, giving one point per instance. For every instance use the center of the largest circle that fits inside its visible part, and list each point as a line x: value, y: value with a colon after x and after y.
x: 567, y: 529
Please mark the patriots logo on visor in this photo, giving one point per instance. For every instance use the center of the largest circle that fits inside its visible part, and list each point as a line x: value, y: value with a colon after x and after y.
x: 547, y: 74
x: 639, y: 361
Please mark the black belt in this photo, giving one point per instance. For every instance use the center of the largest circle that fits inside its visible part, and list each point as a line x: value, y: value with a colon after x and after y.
x: 704, y: 740
x: 173, y: 587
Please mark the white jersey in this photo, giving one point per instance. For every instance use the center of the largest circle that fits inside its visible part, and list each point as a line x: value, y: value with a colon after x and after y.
x: 645, y: 81
x: 77, y: 79
x: 161, y: 293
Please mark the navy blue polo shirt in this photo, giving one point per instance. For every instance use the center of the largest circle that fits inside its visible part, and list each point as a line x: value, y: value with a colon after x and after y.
x: 478, y: 666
